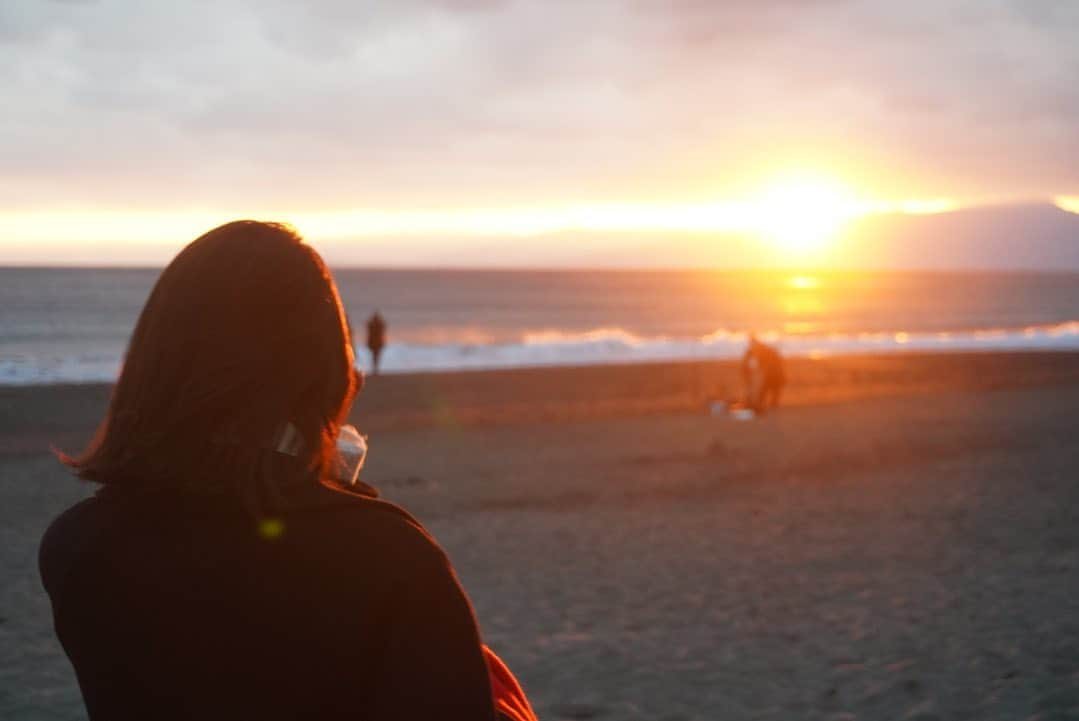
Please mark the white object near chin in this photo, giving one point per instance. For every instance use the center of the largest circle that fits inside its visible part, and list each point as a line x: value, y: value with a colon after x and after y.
x: 351, y: 454
x: 743, y: 414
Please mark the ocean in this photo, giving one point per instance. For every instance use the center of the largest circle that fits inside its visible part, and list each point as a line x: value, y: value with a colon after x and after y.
x: 71, y: 325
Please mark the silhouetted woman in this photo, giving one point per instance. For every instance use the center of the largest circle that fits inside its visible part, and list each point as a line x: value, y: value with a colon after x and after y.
x: 218, y: 572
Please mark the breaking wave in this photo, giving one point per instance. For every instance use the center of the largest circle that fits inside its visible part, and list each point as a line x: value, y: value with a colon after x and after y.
x: 594, y: 347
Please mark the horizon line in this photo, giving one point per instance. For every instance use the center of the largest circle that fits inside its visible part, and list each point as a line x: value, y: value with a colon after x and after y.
x: 792, y: 270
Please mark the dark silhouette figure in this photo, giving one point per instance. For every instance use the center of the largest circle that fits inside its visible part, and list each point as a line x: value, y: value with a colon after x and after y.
x: 376, y: 339
x: 219, y: 572
x: 763, y: 375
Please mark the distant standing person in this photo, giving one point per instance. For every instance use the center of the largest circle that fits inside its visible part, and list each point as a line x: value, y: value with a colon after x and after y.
x: 762, y: 371
x: 376, y: 339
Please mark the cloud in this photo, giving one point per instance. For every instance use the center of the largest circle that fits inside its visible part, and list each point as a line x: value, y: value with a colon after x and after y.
x: 337, y: 104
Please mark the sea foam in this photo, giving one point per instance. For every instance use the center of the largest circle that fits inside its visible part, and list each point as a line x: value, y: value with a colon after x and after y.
x: 595, y: 347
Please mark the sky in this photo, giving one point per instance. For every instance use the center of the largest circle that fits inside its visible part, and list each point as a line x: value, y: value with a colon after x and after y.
x: 479, y: 131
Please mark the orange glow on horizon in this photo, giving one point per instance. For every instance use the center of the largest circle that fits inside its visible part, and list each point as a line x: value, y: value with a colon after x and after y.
x: 796, y: 215
x: 765, y: 215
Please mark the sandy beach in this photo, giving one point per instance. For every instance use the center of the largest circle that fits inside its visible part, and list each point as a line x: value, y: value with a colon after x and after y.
x: 899, y: 541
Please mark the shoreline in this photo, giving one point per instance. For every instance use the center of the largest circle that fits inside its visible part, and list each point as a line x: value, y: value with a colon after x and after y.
x: 608, y: 346
x: 35, y: 418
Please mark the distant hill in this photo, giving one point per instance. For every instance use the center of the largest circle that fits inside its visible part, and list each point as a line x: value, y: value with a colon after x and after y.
x: 1012, y: 237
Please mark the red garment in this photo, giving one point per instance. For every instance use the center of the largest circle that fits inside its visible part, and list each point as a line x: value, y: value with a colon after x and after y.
x: 510, y: 700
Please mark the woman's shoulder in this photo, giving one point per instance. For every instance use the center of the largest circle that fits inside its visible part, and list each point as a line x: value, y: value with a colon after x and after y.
x: 68, y: 535
x: 333, y: 515
x: 73, y: 525
x: 345, y: 509
x: 330, y: 497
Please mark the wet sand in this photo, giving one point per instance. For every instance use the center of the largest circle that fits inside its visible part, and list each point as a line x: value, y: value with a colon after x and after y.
x: 901, y: 541
x: 33, y: 418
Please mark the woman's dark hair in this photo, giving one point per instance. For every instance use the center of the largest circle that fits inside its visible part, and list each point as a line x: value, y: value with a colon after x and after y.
x: 242, y: 344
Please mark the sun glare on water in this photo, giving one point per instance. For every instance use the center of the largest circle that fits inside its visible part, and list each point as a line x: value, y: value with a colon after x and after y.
x: 803, y: 282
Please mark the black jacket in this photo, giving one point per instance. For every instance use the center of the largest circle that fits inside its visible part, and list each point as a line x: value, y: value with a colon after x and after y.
x: 172, y: 607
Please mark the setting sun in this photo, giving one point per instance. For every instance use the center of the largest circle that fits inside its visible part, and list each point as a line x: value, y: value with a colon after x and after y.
x: 801, y: 215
